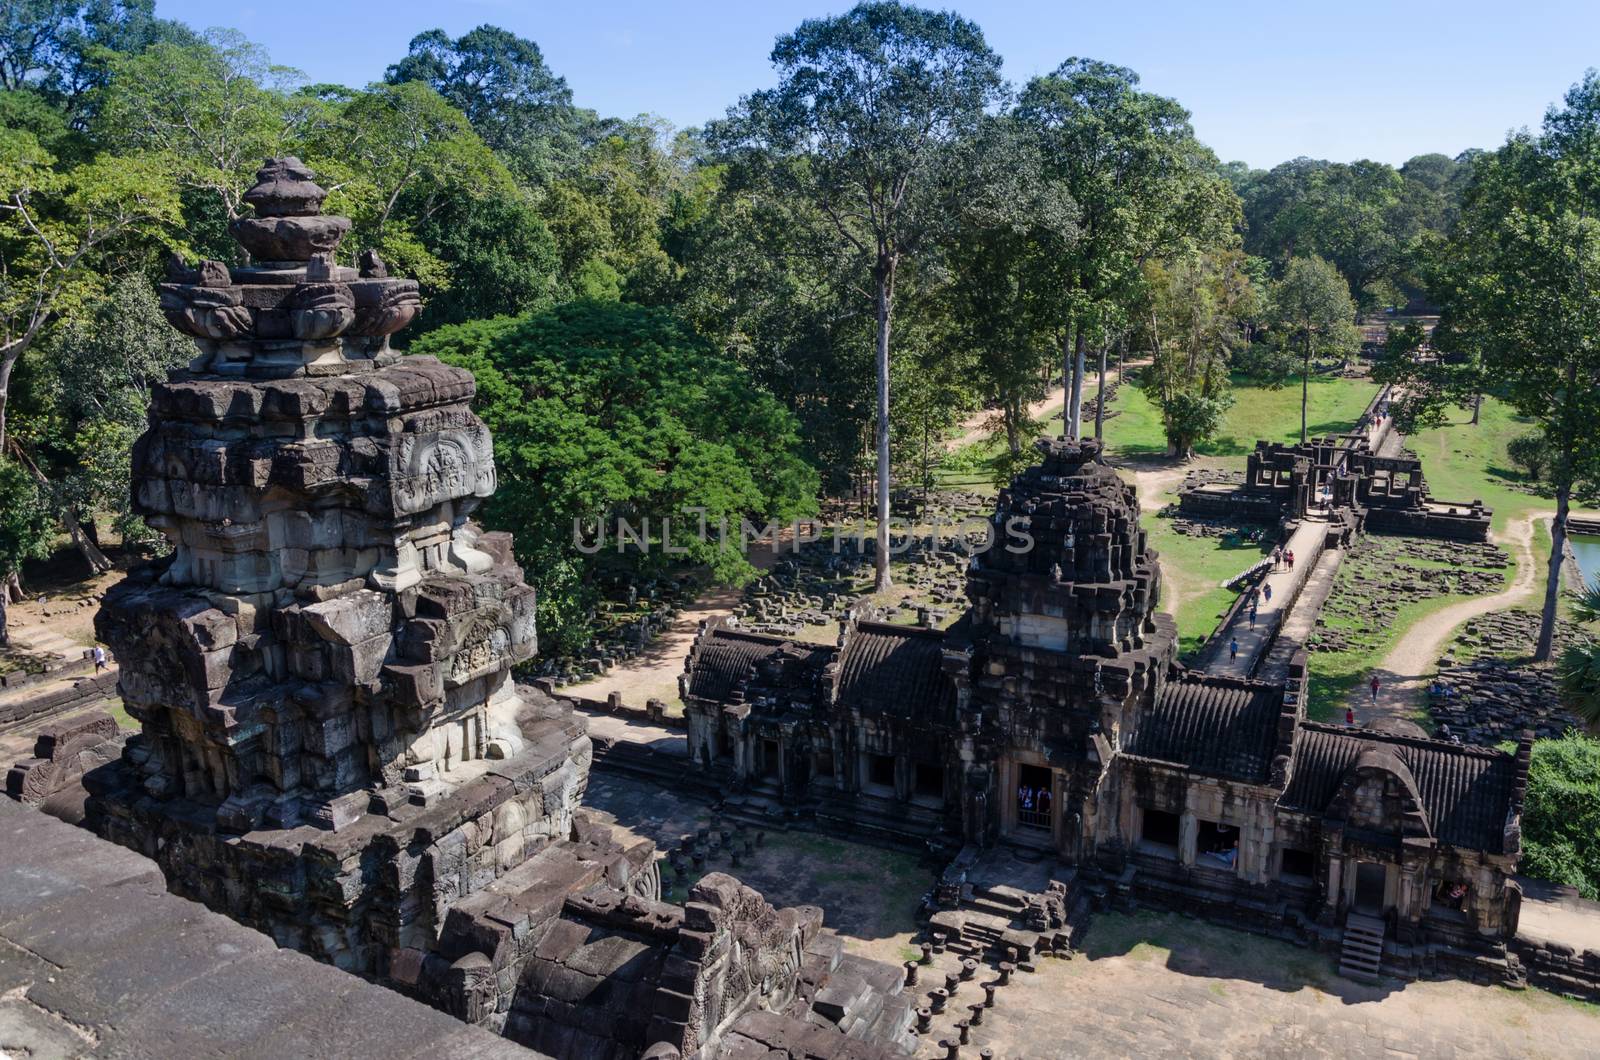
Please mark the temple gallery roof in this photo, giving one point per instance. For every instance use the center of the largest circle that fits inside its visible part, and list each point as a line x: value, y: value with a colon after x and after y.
x: 1228, y: 728
x: 1215, y: 725
x: 887, y: 669
x: 1466, y: 792
x: 882, y: 668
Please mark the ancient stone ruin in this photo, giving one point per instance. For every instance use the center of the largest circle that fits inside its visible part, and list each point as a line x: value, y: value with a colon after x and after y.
x: 332, y: 748
x: 1054, y: 716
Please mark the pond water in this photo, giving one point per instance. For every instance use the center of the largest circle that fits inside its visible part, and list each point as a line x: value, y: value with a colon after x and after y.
x: 1587, y: 548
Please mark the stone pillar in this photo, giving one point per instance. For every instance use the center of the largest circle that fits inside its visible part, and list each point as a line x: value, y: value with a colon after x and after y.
x: 1188, y: 831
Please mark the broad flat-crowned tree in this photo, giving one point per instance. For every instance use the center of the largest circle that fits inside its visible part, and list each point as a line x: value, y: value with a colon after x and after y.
x: 516, y: 103
x: 603, y: 410
x: 863, y: 122
x: 215, y: 109
x: 1520, y: 292
x: 1128, y: 159
x: 1311, y: 310
x: 394, y: 146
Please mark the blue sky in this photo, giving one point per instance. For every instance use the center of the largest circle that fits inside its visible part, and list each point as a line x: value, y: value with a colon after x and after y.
x: 1265, y: 81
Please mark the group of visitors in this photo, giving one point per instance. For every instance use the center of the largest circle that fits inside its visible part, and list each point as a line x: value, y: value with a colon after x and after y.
x: 1282, y: 557
x: 1033, y: 800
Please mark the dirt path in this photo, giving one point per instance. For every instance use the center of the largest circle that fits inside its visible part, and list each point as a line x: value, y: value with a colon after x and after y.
x: 973, y: 428
x: 1403, y: 673
x: 653, y: 673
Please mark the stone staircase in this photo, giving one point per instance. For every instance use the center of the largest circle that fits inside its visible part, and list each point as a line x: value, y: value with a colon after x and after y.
x: 863, y: 999
x: 1362, y: 953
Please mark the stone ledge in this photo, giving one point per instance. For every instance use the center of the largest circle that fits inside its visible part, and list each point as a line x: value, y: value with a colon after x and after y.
x: 97, y: 959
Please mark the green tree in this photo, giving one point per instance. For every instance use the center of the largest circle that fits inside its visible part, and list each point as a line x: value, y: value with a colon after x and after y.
x: 1310, y: 309
x: 1519, y: 304
x: 1561, y: 813
x: 498, y: 253
x: 60, y: 231
x: 395, y: 146
x: 1198, y: 308
x: 1142, y: 185
x: 25, y: 531
x: 214, y: 109
x: 607, y: 410
x: 862, y: 122
x: 520, y: 108
x: 1578, y: 674
x: 100, y: 367
x: 994, y: 297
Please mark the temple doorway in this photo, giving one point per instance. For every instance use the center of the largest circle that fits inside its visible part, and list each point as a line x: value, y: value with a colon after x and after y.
x: 1370, y: 880
x: 1035, y: 798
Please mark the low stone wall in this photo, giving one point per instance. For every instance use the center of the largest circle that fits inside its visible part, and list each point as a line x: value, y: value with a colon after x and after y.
x: 1237, y: 504
x: 1469, y: 525
x: 79, y: 693
x: 654, y: 712
x: 48, y: 671
x: 1559, y: 968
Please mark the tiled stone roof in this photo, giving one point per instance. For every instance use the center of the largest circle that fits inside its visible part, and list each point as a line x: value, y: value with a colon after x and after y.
x: 888, y: 669
x: 1216, y: 725
x: 724, y: 659
x: 1466, y: 792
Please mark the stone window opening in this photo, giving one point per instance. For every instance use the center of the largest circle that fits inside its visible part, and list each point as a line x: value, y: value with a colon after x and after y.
x: 880, y: 771
x: 1452, y: 895
x: 1158, y: 833
x: 1035, y: 797
x: 1297, y: 863
x: 822, y: 764
x: 928, y: 783
x: 1216, y: 844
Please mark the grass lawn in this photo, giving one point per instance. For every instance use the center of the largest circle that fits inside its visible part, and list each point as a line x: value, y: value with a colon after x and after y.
x: 1192, y: 572
x: 1258, y: 412
x: 1135, y: 430
x: 1463, y: 462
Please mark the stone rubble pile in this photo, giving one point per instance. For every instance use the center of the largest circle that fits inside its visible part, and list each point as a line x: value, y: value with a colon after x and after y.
x: 1495, y: 692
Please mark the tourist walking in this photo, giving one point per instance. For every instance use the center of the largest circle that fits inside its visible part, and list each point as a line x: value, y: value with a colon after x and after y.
x: 1252, y: 614
x: 1233, y: 649
x: 1349, y: 716
x: 1266, y: 593
x: 1375, y: 684
x: 1288, y: 558
x: 99, y: 656
x: 1277, y: 556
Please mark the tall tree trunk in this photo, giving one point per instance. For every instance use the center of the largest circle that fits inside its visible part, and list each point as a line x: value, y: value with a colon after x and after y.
x: 7, y: 362
x: 1305, y: 387
x: 885, y: 295
x: 1477, y: 407
x: 1074, y: 424
x: 1552, y: 581
x: 1100, y: 396
x: 68, y: 514
x: 1066, y: 381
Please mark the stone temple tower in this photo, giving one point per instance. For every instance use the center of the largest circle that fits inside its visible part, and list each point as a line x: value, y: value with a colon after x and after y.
x: 331, y: 744
x: 1066, y: 643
